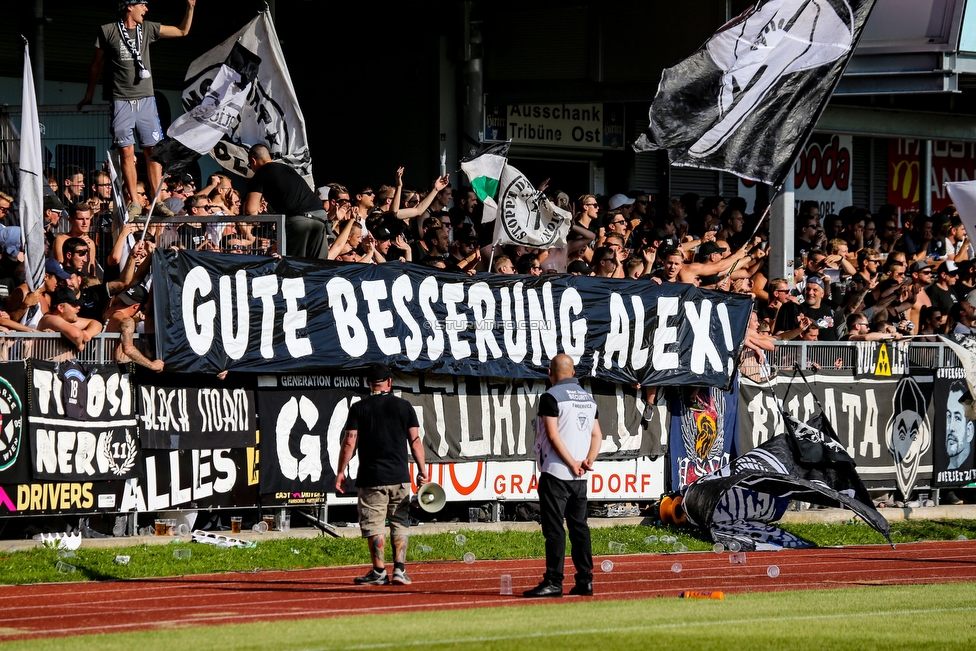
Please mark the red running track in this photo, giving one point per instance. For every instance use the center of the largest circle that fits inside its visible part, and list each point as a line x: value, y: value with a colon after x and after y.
x: 51, y: 610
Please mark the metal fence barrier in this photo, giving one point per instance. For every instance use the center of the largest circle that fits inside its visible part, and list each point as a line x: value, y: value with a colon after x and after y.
x: 68, y: 138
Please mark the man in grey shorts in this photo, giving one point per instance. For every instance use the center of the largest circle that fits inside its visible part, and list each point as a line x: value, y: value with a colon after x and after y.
x: 128, y: 87
x: 383, y: 425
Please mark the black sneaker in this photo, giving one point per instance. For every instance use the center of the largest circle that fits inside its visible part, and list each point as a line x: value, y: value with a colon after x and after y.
x: 582, y: 590
x: 544, y: 589
x: 373, y: 577
x: 951, y: 498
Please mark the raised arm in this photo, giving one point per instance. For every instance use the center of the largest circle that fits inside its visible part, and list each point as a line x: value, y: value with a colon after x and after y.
x: 168, y: 31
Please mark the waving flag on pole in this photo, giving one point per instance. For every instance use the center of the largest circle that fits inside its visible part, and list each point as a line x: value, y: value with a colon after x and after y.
x: 197, y: 131
x: 963, y: 194
x: 748, y: 100
x: 484, y: 171
x: 271, y: 115
x: 528, y: 217
x: 30, y: 199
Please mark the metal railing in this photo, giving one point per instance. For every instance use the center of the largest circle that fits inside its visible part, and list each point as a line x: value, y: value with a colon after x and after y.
x: 68, y: 138
x: 51, y: 346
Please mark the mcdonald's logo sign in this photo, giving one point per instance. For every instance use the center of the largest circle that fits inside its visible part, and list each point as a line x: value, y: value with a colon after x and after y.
x: 905, y: 181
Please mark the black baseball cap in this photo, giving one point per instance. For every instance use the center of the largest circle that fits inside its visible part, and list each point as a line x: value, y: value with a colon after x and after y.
x: 378, y: 373
x: 64, y: 295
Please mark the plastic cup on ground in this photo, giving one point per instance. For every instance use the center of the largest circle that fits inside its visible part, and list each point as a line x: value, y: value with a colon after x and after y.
x: 67, y: 555
x: 424, y: 549
x: 650, y: 540
x: 269, y: 521
x: 606, y: 566
x: 122, y: 560
x: 473, y: 513
x: 64, y: 568
x: 676, y: 568
x: 460, y: 539
x: 469, y: 558
x: 679, y: 547
x: 159, y: 527
x: 617, y: 548
x: 961, y: 537
x: 183, y: 530
x: 260, y: 527
x: 284, y: 523
x: 772, y: 571
x: 235, y: 524
x: 734, y: 546
x: 182, y: 554
x: 506, y: 584
x: 718, y: 548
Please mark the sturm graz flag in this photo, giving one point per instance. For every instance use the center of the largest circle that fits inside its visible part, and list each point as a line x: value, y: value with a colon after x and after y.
x: 750, y: 97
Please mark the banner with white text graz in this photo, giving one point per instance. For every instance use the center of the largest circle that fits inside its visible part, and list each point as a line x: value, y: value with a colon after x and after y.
x: 953, y: 440
x: 217, y: 312
x: 184, y: 418
x: 82, y: 422
x: 464, y: 419
x: 884, y: 423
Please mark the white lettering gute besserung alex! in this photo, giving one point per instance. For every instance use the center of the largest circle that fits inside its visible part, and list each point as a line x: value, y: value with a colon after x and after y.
x: 554, y: 329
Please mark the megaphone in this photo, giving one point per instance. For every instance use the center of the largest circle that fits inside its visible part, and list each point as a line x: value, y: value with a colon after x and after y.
x: 431, y: 497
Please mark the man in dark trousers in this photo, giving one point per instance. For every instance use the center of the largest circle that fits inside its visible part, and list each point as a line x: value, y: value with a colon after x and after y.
x: 288, y: 194
x: 568, y: 438
x: 384, y: 426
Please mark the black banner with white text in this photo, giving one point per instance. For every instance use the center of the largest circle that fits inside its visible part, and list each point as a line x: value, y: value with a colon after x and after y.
x: 217, y: 312
x: 82, y: 422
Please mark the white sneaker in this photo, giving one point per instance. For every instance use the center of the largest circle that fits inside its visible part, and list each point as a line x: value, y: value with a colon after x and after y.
x: 400, y: 577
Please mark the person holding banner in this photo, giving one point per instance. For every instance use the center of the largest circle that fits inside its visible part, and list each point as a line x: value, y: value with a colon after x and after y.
x: 383, y: 425
x: 568, y: 439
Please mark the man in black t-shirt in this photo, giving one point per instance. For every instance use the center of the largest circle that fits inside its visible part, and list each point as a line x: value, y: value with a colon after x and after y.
x: 384, y: 425
x: 288, y: 193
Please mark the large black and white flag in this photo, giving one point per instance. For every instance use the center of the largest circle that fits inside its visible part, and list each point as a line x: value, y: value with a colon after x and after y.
x: 740, y: 501
x: 750, y: 97
x: 528, y: 218
x: 197, y: 131
x: 271, y: 115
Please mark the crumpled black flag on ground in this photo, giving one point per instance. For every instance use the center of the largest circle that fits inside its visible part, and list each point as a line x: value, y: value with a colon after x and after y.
x: 806, y: 463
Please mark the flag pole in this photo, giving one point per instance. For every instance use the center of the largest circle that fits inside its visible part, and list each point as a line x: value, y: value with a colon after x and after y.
x: 152, y: 207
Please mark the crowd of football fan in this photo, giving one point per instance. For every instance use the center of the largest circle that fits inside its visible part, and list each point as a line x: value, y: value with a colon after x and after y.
x: 857, y: 276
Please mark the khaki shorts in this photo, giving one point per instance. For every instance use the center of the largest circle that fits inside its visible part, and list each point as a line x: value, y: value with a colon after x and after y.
x: 377, y: 504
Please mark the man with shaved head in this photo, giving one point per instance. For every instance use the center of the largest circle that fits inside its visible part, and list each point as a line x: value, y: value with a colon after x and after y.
x: 567, y: 440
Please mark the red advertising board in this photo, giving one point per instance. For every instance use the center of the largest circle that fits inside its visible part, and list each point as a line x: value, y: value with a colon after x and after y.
x: 951, y: 161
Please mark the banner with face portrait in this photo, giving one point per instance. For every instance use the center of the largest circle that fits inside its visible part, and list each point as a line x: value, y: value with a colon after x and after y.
x: 954, y: 443
x: 884, y: 423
